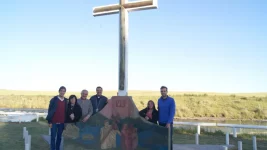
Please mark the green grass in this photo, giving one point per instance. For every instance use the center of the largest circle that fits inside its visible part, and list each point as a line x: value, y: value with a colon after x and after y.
x: 41, y: 119
x: 186, y: 136
x: 11, y: 137
x: 188, y: 105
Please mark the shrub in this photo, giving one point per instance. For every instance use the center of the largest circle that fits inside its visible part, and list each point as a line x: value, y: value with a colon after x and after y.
x: 260, y: 113
x: 232, y: 95
x: 259, y: 99
x: 244, y: 98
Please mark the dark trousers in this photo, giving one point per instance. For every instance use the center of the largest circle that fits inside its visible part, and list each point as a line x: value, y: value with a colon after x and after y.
x: 171, y: 126
x: 56, y: 131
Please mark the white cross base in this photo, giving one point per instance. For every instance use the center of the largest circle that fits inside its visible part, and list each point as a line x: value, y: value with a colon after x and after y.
x: 122, y: 93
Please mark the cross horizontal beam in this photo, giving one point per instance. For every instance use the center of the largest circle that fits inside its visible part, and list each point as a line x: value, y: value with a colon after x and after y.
x: 129, y: 6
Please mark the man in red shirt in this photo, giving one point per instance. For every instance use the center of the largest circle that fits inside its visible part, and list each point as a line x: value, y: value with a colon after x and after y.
x: 56, y: 117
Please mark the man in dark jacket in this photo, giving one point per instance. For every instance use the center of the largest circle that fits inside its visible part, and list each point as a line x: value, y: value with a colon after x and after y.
x: 98, y: 101
x: 56, y: 117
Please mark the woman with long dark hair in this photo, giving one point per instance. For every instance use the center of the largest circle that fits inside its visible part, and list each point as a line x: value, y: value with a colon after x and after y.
x: 150, y: 113
x: 74, y: 110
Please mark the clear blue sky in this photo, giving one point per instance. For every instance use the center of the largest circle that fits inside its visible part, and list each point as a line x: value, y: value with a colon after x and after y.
x: 187, y: 45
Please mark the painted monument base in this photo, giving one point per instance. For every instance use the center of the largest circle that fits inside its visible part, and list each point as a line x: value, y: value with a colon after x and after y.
x: 119, y: 126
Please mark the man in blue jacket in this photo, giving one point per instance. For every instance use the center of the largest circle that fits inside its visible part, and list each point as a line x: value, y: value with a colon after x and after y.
x: 166, y: 108
x: 56, y: 117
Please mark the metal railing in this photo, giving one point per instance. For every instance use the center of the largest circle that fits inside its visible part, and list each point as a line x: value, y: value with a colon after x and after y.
x: 233, y: 126
x: 25, y: 113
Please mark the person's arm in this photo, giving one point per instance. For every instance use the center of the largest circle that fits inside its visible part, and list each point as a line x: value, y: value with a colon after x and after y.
x: 67, y: 115
x: 48, y: 117
x: 78, y: 114
x: 172, y: 111
x: 91, y: 109
x: 67, y: 111
x: 155, y: 117
x: 106, y: 101
x: 158, y: 106
x: 142, y: 113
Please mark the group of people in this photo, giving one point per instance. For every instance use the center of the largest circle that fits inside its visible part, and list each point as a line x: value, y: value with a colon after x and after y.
x: 166, y: 111
x: 62, y: 110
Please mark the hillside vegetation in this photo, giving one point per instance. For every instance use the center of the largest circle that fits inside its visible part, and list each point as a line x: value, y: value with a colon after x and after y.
x: 188, y: 105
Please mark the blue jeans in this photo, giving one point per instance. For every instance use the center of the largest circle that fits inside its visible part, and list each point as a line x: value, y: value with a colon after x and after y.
x: 56, y: 131
x: 171, y: 126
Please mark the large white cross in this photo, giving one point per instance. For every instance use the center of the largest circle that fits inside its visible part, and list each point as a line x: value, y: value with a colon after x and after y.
x: 123, y: 8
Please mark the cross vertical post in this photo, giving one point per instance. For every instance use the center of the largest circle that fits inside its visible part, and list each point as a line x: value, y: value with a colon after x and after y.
x: 123, y: 51
x: 122, y: 8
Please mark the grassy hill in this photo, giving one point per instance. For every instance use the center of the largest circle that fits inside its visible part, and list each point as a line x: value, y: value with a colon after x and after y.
x: 188, y: 104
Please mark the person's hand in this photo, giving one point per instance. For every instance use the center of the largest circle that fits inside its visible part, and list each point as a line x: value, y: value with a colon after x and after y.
x: 72, y: 116
x: 167, y: 125
x: 146, y: 118
x: 85, y: 118
x: 50, y: 125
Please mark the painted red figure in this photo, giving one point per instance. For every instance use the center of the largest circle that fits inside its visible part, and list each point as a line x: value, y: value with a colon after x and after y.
x: 124, y: 133
x: 129, y: 139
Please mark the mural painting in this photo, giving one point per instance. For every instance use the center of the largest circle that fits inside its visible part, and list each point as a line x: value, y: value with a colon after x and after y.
x: 119, y: 126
